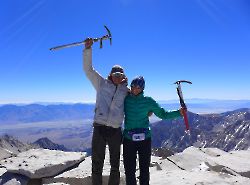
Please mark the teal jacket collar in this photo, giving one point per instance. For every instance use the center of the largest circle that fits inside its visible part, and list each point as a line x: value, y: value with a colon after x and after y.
x: 141, y: 95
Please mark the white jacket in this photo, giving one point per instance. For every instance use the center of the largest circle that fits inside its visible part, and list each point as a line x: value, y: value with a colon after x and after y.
x: 109, y: 109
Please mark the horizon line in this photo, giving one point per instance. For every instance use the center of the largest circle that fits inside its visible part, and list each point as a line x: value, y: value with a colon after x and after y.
x: 93, y: 102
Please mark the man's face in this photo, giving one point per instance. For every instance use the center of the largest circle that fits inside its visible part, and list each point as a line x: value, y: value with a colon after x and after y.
x: 117, y: 78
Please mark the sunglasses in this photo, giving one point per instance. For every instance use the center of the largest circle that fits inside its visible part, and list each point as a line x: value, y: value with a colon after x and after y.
x: 118, y: 75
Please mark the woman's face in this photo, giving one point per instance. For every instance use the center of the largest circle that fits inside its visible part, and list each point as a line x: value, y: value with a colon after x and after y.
x: 135, y: 90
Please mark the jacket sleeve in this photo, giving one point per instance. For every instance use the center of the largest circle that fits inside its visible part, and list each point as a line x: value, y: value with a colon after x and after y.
x: 91, y: 73
x: 161, y: 113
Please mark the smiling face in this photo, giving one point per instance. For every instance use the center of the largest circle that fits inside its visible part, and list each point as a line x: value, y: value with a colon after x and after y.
x: 135, y: 90
x: 117, y: 78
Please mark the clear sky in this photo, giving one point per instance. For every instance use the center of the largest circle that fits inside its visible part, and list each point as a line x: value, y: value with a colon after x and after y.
x: 204, y: 41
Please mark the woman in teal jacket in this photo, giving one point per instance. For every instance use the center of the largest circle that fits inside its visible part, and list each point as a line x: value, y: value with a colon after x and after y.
x: 137, y: 134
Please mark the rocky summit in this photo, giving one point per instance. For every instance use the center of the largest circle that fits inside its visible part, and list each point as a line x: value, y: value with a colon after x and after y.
x: 192, y: 166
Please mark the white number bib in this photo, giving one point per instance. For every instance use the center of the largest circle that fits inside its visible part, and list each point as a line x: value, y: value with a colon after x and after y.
x: 138, y: 137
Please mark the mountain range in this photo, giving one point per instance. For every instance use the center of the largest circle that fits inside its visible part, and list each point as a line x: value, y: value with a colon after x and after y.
x: 227, y: 131
x: 13, y: 114
x: 71, y: 125
x: 48, y: 144
x: 11, y: 146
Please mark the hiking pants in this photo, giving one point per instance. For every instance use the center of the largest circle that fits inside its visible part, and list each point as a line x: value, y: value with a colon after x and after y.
x: 130, y: 149
x: 103, y: 135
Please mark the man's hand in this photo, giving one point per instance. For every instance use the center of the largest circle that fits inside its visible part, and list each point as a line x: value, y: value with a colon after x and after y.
x: 88, y: 43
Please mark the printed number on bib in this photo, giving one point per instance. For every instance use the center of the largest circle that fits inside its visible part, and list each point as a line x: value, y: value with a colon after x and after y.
x: 138, y: 137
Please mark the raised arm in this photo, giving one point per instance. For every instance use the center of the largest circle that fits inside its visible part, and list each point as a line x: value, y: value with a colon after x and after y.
x: 91, y: 73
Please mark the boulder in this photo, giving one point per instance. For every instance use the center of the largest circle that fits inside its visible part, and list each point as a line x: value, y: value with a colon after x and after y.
x: 39, y: 163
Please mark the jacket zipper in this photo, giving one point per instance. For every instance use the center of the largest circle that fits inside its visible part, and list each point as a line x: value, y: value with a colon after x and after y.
x: 111, y: 104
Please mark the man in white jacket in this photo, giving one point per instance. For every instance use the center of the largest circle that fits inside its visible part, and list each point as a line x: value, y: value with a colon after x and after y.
x: 109, y: 114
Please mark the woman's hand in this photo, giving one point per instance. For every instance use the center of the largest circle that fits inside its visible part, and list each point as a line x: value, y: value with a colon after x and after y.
x: 182, y: 111
x: 150, y: 114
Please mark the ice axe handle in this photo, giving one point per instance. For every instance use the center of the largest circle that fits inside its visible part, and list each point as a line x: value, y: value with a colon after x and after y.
x: 183, y: 105
x: 186, y: 120
x: 105, y: 37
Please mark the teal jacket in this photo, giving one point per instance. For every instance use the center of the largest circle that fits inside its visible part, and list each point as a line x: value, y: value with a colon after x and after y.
x: 136, y: 113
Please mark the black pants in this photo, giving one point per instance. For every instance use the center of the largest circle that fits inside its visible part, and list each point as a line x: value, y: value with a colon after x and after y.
x: 130, y: 149
x: 103, y: 135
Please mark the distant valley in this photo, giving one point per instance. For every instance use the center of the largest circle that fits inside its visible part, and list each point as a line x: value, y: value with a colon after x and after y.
x: 71, y: 124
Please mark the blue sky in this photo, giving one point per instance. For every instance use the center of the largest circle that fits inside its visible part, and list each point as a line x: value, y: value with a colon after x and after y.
x: 204, y: 41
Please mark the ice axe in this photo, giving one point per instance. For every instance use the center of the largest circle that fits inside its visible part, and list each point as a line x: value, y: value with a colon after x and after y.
x: 105, y: 37
x: 183, y: 105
